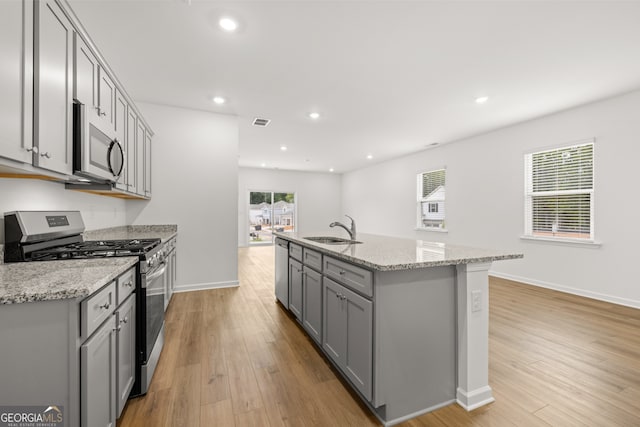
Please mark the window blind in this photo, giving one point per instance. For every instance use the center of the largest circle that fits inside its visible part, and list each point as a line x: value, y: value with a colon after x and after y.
x: 559, y: 192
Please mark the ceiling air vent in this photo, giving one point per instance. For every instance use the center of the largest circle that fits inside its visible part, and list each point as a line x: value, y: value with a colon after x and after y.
x: 261, y: 122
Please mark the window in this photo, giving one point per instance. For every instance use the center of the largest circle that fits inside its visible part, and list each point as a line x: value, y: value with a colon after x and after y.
x: 559, y: 193
x: 431, y: 198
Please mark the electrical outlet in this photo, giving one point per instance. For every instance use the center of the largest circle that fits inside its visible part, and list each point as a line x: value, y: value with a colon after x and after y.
x: 476, y: 301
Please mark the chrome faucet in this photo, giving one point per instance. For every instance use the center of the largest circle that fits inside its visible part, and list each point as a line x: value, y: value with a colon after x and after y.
x: 351, y: 231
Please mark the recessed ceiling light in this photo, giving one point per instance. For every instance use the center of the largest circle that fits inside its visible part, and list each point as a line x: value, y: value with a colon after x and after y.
x: 330, y: 169
x: 314, y: 115
x: 264, y: 165
x: 482, y: 99
x: 228, y: 24
x: 283, y: 147
x: 369, y: 156
x: 219, y: 100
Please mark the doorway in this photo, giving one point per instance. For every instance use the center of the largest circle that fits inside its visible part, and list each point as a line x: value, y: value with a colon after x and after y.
x: 270, y: 211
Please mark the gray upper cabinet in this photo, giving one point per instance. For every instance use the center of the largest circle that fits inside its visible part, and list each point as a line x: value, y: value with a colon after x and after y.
x: 16, y: 84
x: 106, y: 99
x: 147, y: 163
x: 132, y: 150
x: 348, y: 334
x: 312, y: 304
x: 53, y: 84
x: 120, y: 123
x: 140, y: 137
x: 85, y: 82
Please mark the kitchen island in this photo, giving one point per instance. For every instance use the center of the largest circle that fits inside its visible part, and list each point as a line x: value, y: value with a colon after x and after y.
x: 405, y: 321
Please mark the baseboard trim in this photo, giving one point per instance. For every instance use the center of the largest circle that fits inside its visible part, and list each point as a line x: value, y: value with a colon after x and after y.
x: 569, y: 290
x: 475, y: 399
x: 205, y: 286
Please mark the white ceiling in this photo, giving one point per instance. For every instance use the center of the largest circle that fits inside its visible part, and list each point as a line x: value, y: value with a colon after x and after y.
x: 388, y: 77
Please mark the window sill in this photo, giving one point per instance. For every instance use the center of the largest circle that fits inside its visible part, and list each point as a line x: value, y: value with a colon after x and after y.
x: 437, y: 230
x: 561, y: 241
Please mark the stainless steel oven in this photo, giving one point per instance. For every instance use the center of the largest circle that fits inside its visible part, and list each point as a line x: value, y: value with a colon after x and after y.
x: 97, y: 153
x: 153, y: 280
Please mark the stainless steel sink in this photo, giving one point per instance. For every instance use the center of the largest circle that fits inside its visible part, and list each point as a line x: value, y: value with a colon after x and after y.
x: 329, y: 240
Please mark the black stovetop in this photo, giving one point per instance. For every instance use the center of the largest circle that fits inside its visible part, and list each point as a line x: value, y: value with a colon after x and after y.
x: 96, y: 249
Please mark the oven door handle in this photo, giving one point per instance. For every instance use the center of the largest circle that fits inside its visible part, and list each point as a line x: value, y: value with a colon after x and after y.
x: 159, y: 272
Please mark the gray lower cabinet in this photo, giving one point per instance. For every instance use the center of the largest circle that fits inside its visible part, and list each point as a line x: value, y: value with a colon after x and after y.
x: 126, y: 350
x: 295, y: 288
x: 98, y: 377
x: 348, y: 332
x: 312, y: 304
x: 107, y: 357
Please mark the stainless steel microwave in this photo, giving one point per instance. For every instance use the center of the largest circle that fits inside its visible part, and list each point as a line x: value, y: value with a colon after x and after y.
x: 97, y: 155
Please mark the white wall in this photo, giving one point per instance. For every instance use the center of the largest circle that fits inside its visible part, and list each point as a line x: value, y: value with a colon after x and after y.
x: 194, y: 185
x: 485, y: 199
x: 317, y: 197
x: 33, y: 194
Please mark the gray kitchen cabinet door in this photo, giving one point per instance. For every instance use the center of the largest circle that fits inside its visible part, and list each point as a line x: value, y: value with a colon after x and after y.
x: 348, y: 332
x: 98, y: 377
x: 295, y: 288
x: 53, y: 88
x: 140, y: 136
x: 126, y: 348
x: 312, y: 304
x: 85, y: 82
x: 120, y: 123
x: 106, y: 99
x: 132, y: 151
x: 359, y: 353
x: 16, y: 82
x: 147, y: 163
x: 334, y: 338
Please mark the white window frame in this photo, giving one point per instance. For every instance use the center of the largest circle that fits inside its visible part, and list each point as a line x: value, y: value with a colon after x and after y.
x: 529, y: 195
x: 420, y: 200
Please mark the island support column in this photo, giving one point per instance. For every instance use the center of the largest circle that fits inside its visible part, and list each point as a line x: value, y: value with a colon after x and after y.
x: 472, y: 286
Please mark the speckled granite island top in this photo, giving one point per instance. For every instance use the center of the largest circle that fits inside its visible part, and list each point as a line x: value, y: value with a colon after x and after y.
x: 385, y: 253
x: 22, y: 282
x: 164, y: 232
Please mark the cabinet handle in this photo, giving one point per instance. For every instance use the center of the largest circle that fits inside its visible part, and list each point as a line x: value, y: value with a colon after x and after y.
x: 129, y: 284
x: 341, y: 272
x: 32, y: 149
x: 106, y: 305
x: 117, y: 329
x: 45, y: 154
x: 125, y: 320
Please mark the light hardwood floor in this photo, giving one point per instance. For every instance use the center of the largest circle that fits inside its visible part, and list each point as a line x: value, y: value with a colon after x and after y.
x: 233, y: 357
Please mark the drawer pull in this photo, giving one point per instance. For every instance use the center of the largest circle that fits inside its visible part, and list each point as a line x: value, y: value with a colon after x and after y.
x: 106, y: 306
x: 125, y: 320
x: 129, y: 284
x: 117, y: 329
x: 342, y: 272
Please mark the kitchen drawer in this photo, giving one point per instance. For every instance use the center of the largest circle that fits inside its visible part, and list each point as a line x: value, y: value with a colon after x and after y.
x: 95, y: 309
x: 352, y: 276
x: 126, y: 284
x: 295, y: 251
x: 312, y: 259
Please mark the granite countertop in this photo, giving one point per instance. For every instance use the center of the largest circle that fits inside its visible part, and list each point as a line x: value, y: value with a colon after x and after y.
x: 165, y: 232
x: 52, y: 280
x: 384, y: 253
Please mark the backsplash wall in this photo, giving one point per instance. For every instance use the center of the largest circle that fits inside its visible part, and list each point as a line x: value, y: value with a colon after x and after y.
x: 33, y: 194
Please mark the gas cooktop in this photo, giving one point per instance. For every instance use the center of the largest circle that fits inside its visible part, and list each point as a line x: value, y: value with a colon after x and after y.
x: 96, y: 249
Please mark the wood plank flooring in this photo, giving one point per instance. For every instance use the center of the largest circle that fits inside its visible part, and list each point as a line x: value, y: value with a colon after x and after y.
x: 233, y: 357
